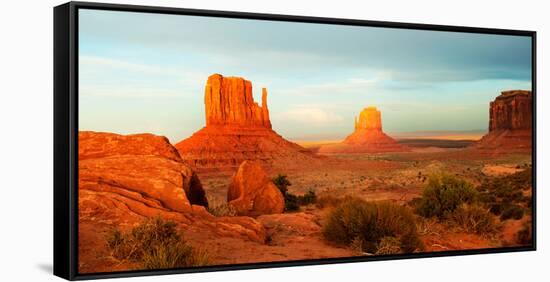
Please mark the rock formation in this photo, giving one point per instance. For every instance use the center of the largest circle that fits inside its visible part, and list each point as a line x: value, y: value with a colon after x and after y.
x: 368, y: 136
x: 252, y: 193
x: 510, y: 122
x: 229, y: 101
x: 237, y: 129
x: 124, y: 179
x: 141, y: 167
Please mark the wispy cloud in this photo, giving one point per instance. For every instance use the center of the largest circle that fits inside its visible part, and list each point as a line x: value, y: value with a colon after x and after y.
x: 309, y: 115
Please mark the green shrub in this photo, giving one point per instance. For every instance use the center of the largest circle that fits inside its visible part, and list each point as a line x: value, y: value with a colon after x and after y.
x: 154, y: 244
x: 282, y: 183
x: 443, y: 194
x: 362, y: 224
x: 293, y: 202
x: 475, y: 219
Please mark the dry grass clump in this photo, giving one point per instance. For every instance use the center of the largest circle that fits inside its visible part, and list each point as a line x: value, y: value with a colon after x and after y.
x: 155, y: 244
x: 372, y: 227
x: 474, y: 219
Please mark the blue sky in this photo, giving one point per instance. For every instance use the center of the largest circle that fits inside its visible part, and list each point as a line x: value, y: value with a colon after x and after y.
x: 141, y: 72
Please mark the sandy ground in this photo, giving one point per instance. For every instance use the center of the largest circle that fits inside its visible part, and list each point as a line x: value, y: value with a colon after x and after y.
x: 397, y: 177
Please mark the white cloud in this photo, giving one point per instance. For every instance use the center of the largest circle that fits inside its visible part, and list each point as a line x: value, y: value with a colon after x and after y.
x: 309, y: 115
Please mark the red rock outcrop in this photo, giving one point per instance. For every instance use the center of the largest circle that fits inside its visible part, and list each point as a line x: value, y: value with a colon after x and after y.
x: 124, y: 179
x: 252, y: 193
x: 368, y: 136
x: 237, y: 129
x: 229, y: 101
x: 510, y: 123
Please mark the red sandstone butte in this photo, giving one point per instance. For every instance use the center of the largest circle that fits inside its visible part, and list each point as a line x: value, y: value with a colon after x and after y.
x: 510, y: 123
x: 237, y: 129
x: 368, y: 136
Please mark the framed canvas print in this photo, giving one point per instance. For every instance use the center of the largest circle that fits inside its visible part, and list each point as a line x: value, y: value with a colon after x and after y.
x: 195, y: 140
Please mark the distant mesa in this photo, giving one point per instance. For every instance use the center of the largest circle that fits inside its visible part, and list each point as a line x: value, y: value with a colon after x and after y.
x: 368, y: 136
x: 510, y: 123
x: 237, y: 129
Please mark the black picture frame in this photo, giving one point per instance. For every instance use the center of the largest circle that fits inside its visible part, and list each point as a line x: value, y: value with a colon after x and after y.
x: 66, y: 130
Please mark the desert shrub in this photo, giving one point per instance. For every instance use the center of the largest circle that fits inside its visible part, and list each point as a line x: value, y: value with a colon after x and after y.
x: 388, y: 246
x: 154, y: 244
x: 443, y: 194
x: 308, y: 198
x: 293, y: 202
x: 282, y: 183
x: 504, y: 195
x: 511, y: 212
x: 474, y: 218
x: 363, y: 225
x: 525, y: 236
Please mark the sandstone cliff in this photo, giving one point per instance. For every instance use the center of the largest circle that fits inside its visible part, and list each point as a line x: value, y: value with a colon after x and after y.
x: 510, y: 123
x: 229, y: 101
x: 237, y: 129
x: 367, y: 137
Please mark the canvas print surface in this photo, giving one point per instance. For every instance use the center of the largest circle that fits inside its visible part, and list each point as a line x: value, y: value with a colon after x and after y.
x: 218, y: 141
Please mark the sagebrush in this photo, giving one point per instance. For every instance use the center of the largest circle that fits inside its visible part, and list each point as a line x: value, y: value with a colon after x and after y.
x: 364, y: 225
x: 155, y: 244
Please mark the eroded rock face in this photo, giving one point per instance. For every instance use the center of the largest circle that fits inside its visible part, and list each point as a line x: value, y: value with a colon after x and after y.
x: 369, y: 119
x: 367, y: 137
x: 237, y: 129
x: 251, y: 192
x: 229, y: 101
x: 512, y: 110
x: 510, y: 123
x: 141, y: 167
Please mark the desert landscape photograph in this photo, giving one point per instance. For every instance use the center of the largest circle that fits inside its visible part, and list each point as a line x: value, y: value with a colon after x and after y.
x: 212, y: 141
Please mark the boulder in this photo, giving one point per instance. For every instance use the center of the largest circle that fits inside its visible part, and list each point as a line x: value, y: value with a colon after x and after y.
x: 251, y: 192
x: 141, y: 167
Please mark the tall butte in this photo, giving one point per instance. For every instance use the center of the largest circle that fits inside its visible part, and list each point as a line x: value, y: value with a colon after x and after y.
x: 367, y: 137
x: 510, y: 123
x: 237, y: 129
